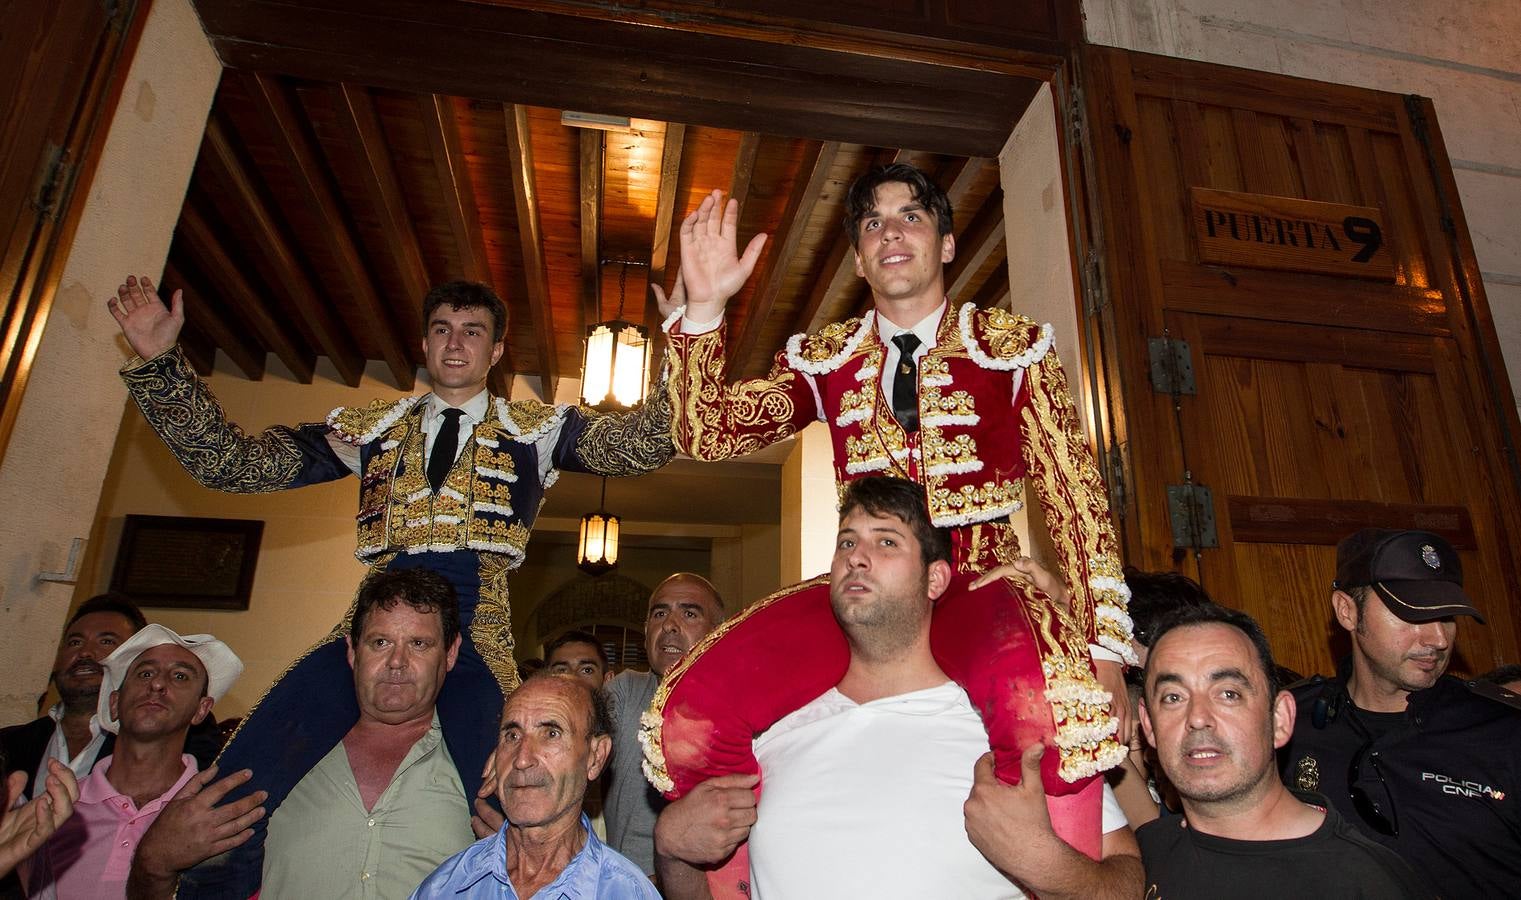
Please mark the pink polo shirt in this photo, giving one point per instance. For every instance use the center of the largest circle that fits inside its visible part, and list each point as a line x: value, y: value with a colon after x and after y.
x: 90, y: 855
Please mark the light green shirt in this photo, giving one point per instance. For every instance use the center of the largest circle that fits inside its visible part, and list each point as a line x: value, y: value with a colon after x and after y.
x: 323, y: 843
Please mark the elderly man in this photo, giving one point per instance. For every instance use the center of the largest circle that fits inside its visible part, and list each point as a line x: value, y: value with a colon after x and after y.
x: 554, y: 741
x: 154, y: 687
x: 1215, y: 714
x: 1417, y: 759
x: 385, y: 805
x: 884, y: 786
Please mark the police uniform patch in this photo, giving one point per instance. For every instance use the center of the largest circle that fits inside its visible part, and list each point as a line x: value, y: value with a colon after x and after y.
x: 1307, y: 774
x: 1429, y: 556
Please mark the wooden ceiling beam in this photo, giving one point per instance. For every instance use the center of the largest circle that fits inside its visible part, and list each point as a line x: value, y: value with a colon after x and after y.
x: 665, y: 199
x: 660, y: 249
x: 237, y: 292
x: 289, y: 273
x: 279, y: 110
x: 958, y: 176
x: 996, y: 291
x: 958, y: 102
x: 361, y: 123
x: 982, y: 237
x: 744, y: 168
x: 800, y: 203
x: 593, y: 143
x: 199, y: 351
x: 448, y: 153
x: 210, y: 322
x: 459, y: 191
x: 838, y: 277
x: 525, y: 195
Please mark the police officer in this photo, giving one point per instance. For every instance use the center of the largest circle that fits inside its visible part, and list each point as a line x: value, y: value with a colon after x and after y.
x: 1419, y: 760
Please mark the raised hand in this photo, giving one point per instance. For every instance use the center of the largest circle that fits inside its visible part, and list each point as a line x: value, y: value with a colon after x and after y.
x: 712, y: 270
x: 149, y: 326
x: 24, y: 827
x: 191, y: 829
x: 675, y: 301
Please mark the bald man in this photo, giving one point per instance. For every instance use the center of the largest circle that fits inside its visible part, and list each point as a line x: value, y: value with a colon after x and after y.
x: 683, y: 609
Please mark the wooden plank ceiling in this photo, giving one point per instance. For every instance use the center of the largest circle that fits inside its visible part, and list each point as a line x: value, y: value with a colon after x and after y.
x: 358, y: 152
x: 319, y: 213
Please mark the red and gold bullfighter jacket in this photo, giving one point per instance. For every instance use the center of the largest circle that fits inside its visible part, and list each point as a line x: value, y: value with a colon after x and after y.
x: 995, y: 416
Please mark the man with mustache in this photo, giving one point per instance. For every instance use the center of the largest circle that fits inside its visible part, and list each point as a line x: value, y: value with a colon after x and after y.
x: 1215, y: 714
x: 154, y: 687
x: 683, y: 609
x: 385, y: 805
x: 554, y: 741
x: 69, y: 733
x: 1419, y: 760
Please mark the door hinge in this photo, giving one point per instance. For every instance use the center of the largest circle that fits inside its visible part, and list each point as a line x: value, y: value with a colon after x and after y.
x: 1172, y: 366
x: 1191, y: 508
x: 1095, y: 298
x: 52, y: 181
x: 1117, y: 494
x: 1075, y: 114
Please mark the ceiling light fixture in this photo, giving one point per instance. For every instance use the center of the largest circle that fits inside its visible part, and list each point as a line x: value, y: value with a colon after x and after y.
x: 597, y: 545
x: 615, y: 364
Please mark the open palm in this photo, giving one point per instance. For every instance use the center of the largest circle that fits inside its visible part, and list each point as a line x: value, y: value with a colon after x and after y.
x: 149, y: 326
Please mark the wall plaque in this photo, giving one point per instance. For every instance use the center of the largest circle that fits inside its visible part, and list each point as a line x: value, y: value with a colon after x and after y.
x: 1266, y: 232
x: 187, y: 562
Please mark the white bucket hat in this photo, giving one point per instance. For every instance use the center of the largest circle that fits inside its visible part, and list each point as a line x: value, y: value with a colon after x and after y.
x: 222, y: 665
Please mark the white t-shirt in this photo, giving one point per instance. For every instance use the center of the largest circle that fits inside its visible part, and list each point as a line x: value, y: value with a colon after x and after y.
x: 850, y: 808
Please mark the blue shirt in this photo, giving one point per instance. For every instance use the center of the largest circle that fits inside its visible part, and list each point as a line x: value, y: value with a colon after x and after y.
x: 479, y: 871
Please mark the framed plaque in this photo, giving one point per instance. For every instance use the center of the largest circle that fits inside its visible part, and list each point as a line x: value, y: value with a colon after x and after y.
x: 187, y: 563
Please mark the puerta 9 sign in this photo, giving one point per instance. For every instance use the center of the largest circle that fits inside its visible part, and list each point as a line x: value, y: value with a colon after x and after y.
x: 1287, y: 233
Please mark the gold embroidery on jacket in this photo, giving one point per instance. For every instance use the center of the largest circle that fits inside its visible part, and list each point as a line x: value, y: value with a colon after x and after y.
x: 712, y: 420
x: 185, y: 414
x: 1076, y: 506
x: 629, y: 443
x: 491, y: 629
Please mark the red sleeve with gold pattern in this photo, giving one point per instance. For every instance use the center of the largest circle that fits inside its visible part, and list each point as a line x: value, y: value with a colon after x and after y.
x: 712, y: 420
x: 1065, y: 478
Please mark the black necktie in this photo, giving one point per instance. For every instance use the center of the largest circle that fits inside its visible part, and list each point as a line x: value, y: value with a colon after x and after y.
x: 906, y: 383
x: 444, y: 447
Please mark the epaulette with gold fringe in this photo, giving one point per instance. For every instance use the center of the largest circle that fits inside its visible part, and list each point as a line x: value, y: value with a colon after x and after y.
x: 358, y: 425
x: 998, y: 339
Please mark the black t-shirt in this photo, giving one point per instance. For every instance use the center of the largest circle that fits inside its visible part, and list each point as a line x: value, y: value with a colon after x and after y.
x: 1333, y: 862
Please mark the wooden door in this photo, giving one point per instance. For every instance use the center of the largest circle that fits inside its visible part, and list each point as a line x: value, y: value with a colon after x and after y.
x: 1328, y: 395
x: 62, y: 69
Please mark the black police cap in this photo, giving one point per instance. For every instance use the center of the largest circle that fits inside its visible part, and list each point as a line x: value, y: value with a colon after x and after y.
x: 1416, y: 573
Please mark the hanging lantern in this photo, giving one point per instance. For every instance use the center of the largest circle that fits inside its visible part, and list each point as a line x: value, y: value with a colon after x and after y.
x: 615, y: 368
x: 597, y: 545
x: 615, y: 371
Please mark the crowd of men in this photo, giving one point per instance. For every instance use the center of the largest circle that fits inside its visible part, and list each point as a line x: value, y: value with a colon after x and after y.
x: 1395, y: 776
x: 401, y: 756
